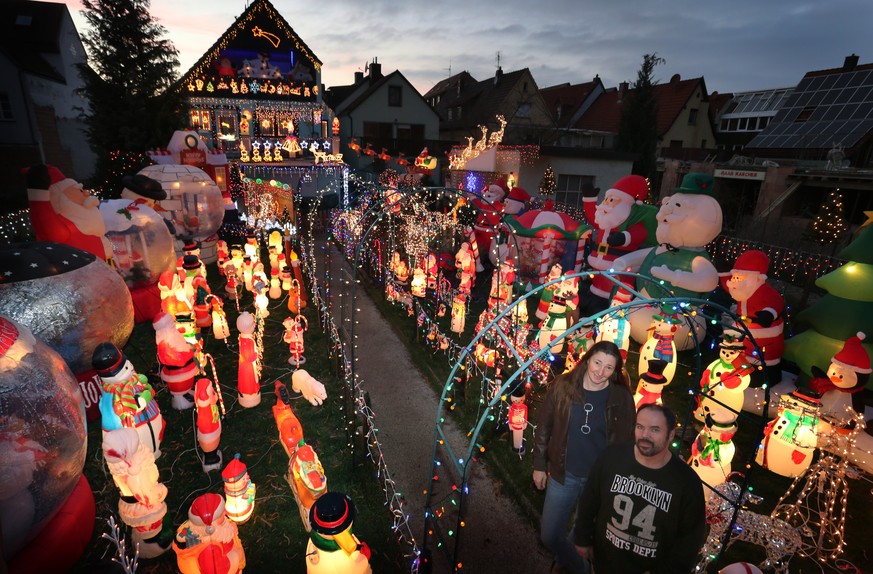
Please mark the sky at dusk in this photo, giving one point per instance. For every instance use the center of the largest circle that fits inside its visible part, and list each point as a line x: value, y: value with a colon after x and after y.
x: 736, y: 46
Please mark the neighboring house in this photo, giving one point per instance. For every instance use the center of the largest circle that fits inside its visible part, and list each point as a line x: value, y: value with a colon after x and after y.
x: 40, y: 106
x: 828, y: 109
x: 540, y: 131
x: 258, y: 85
x: 819, y: 140
x: 683, y: 121
x: 738, y: 118
x: 385, y: 113
x: 568, y: 103
x: 464, y: 104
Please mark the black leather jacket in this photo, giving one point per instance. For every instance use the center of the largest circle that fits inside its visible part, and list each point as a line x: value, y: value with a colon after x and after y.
x: 550, y: 445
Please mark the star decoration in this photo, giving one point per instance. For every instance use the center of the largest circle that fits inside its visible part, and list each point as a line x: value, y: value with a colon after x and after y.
x: 325, y: 145
x: 314, y: 145
x: 304, y: 144
x: 65, y: 262
x: 34, y: 265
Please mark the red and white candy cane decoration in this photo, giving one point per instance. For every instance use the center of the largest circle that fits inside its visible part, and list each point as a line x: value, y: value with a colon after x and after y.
x: 580, y: 255
x: 474, y: 247
x: 548, y: 247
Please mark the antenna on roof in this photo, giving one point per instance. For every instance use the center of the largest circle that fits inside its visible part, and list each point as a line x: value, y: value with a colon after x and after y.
x: 449, y: 69
x: 498, y: 59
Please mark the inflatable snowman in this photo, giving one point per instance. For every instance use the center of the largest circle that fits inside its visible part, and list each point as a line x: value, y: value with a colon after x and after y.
x: 680, y: 266
x: 790, y: 439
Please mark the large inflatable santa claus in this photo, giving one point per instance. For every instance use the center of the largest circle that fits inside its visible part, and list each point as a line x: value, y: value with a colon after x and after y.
x: 490, y: 212
x: 63, y: 212
x: 760, y: 308
x: 618, y: 230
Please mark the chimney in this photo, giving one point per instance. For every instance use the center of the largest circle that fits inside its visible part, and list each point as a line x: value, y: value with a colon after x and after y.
x: 675, y: 79
x: 498, y: 75
x: 359, y: 77
x: 375, y: 69
x: 622, y: 90
x: 850, y: 63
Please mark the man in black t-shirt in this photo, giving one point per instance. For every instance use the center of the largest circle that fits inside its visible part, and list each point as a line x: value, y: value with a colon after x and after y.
x: 642, y: 510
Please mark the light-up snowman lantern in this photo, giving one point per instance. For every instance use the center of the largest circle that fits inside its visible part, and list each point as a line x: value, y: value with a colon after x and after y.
x: 459, y: 313
x: 660, y: 345
x: 652, y: 383
x: 724, y: 381
x: 790, y: 439
x: 615, y: 328
x: 194, y: 204
x: 713, y: 451
x: 554, y: 325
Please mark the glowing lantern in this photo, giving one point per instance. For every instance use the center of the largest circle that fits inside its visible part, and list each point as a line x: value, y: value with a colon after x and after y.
x: 275, y: 284
x: 419, y: 283
x: 249, y: 372
x: 332, y: 546
x: 307, y: 479
x: 517, y: 418
x: 141, y: 505
x: 294, y: 328
x: 290, y: 430
x: 713, y: 451
x: 459, y: 313
x: 335, y: 126
x: 652, y: 382
x: 239, y: 490
x: 208, y: 539
x: 296, y: 302
x: 615, y: 328
x: 660, y: 345
x: 555, y: 324
x: 401, y: 272
x: 723, y: 382
x: 220, y: 328
x: 790, y: 439
x: 208, y: 424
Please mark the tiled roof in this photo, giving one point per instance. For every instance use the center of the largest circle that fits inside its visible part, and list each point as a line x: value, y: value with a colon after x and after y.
x: 605, y: 114
x: 375, y: 84
x: 568, y: 96
x: 480, y: 101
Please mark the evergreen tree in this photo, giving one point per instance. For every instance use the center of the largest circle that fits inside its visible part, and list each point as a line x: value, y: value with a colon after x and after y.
x: 843, y: 311
x: 828, y: 227
x: 128, y: 81
x: 638, y: 128
x: 547, y: 184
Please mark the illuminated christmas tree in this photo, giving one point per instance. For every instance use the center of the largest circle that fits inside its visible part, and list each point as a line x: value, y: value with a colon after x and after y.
x: 844, y: 310
x: 829, y: 225
x: 547, y: 184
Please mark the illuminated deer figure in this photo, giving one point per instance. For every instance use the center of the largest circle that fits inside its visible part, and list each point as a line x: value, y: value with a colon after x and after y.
x: 779, y: 539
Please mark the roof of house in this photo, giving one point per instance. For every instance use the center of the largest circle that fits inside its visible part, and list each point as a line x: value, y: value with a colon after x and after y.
x: 481, y: 101
x: 369, y: 85
x: 29, y: 29
x: 569, y: 96
x: 827, y: 108
x: 605, y: 114
x: 258, y: 11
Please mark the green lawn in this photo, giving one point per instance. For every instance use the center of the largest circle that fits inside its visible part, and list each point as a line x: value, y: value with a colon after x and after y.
x: 274, y: 538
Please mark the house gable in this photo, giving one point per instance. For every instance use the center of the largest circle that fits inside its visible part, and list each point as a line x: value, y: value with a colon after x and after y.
x: 258, y: 57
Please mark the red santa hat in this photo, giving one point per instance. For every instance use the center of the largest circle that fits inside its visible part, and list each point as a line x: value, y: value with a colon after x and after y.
x: 518, y: 194
x: 853, y: 355
x: 46, y: 177
x: 753, y: 260
x: 634, y: 186
x: 205, y: 509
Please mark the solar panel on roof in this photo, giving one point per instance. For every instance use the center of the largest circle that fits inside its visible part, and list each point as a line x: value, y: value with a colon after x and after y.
x: 842, y: 80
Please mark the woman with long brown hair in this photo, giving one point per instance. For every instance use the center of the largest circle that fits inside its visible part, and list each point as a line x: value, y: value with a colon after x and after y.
x: 583, y: 411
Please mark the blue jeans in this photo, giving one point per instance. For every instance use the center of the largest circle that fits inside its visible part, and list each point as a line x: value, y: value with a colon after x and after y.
x: 560, y: 504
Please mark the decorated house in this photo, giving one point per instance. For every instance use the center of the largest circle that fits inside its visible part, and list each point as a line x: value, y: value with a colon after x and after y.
x: 257, y: 95
x: 382, y: 118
